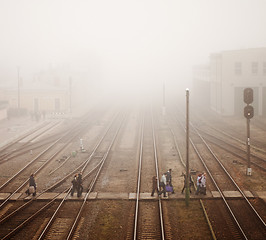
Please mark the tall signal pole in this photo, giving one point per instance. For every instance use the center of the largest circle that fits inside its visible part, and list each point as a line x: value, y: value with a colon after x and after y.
x: 248, y: 113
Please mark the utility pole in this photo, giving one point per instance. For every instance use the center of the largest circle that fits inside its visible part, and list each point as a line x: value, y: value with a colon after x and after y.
x: 187, y: 152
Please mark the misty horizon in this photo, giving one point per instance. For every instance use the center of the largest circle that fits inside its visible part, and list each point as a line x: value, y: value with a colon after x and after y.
x: 123, y: 45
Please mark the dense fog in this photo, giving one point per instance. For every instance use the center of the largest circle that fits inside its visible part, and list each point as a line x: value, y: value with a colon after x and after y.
x: 122, y: 48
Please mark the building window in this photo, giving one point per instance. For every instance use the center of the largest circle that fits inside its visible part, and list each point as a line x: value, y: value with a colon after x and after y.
x: 264, y: 68
x: 254, y: 68
x: 238, y: 68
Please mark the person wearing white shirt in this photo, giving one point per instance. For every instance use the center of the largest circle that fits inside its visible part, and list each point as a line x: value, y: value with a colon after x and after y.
x: 162, y: 185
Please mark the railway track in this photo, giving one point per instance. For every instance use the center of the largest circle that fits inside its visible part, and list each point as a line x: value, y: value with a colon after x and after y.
x: 231, y: 128
x: 63, y: 224
x: 238, y: 151
x: 223, y: 182
x: 28, y: 137
x: 148, y: 222
x: 26, y: 143
x: 181, y: 159
x: 69, y: 231
x: 38, y: 163
x: 104, y: 212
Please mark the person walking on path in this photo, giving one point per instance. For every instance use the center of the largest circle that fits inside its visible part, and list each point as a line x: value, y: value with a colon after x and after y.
x: 203, y: 184
x: 79, y: 185
x: 198, y: 183
x: 154, y: 186
x: 32, y: 186
x: 168, y: 175
x: 74, y: 185
x: 162, y: 186
x: 185, y: 182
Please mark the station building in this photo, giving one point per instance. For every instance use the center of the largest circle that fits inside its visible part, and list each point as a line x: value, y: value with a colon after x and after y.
x: 220, y: 84
x: 41, y: 98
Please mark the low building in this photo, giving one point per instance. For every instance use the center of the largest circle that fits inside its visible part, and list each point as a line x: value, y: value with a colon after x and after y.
x: 37, y: 98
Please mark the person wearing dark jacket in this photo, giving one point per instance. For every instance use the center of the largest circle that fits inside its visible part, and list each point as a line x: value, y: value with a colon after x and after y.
x: 79, y: 185
x: 32, y: 186
x: 168, y: 175
x: 154, y: 185
x: 74, y: 185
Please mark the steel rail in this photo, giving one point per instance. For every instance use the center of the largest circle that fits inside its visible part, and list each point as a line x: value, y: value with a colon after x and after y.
x: 157, y: 174
x: 18, y: 152
x: 10, y: 155
x: 138, y: 180
x: 254, y: 158
x: 40, y: 168
x: 154, y: 144
x: 235, y: 138
x: 24, y: 135
x: 33, y: 216
x: 259, y: 159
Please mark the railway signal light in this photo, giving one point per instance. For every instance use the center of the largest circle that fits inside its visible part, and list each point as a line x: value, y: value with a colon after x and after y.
x: 249, y: 112
x: 248, y: 95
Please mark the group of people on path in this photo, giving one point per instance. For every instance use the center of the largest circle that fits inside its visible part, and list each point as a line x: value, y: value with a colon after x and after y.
x: 201, y: 183
x: 77, y: 185
x: 166, y: 184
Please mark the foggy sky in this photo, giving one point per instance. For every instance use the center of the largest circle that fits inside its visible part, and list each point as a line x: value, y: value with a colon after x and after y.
x: 125, y: 42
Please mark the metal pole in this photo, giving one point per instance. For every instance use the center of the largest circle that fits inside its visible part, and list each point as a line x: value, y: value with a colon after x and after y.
x: 187, y: 143
x: 248, y: 147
